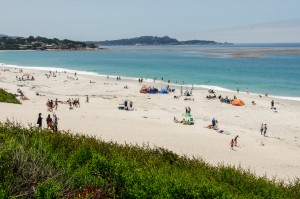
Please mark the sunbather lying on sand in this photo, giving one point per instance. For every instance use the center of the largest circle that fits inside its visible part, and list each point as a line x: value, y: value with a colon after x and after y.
x: 188, y: 98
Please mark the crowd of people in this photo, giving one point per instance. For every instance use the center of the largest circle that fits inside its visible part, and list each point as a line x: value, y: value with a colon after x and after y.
x: 52, y: 122
x: 25, y: 77
x: 73, y: 103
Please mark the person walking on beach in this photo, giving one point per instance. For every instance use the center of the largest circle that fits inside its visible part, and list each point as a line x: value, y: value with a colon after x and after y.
x: 56, y: 104
x: 231, y: 144
x: 87, y: 99
x: 262, y: 129
x: 265, y: 130
x: 272, y: 104
x: 235, y: 140
x: 54, y: 123
x: 39, y: 120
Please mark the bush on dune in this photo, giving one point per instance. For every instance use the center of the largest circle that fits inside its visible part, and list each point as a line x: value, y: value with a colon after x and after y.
x: 36, y: 163
x: 8, y: 97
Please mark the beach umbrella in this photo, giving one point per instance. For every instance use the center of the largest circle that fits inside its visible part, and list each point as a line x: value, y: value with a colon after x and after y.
x: 237, y: 102
x: 26, y: 74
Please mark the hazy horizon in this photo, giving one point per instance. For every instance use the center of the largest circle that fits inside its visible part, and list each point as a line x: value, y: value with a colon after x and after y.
x: 268, y: 21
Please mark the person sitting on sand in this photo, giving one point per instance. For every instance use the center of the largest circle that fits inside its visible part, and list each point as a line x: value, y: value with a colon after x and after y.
x: 216, y: 126
x: 253, y: 103
x: 126, y: 87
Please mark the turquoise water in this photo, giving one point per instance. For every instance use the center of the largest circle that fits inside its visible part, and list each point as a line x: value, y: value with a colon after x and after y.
x: 199, y: 65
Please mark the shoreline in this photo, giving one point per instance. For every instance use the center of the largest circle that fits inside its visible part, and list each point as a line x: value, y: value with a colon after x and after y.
x: 185, y: 86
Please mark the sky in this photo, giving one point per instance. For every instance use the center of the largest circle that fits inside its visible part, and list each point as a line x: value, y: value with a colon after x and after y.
x: 237, y: 21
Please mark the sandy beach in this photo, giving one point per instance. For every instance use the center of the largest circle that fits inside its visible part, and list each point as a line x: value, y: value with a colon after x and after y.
x: 151, y: 121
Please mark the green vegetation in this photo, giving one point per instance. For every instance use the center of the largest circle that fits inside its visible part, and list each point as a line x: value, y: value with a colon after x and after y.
x: 37, y: 163
x: 41, y: 43
x: 8, y: 97
x: 150, y: 40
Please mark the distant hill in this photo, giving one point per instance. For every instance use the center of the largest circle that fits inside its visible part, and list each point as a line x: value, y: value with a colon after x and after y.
x: 41, y: 43
x: 151, y: 40
x: 2, y: 35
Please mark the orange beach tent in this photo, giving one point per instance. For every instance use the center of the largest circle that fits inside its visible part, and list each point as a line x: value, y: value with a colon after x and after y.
x: 237, y: 102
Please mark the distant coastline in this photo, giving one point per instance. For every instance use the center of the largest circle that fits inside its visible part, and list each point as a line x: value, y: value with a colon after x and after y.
x: 42, y: 43
x: 153, y: 41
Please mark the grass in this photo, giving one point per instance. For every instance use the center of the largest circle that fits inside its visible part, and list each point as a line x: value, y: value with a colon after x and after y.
x: 8, y: 97
x: 37, y: 163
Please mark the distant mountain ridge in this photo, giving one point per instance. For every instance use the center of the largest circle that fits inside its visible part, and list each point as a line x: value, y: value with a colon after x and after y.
x: 152, y: 40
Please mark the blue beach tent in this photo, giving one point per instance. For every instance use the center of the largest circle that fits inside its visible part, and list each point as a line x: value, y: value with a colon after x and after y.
x: 163, y: 91
x: 153, y: 91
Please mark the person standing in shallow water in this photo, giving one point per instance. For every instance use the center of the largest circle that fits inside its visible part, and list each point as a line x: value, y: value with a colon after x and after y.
x: 39, y: 120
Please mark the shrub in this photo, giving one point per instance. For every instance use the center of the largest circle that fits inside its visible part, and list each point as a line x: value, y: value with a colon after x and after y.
x: 8, y: 97
x: 48, y: 190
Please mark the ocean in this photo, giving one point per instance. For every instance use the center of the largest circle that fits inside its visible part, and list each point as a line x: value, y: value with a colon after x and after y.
x: 223, y: 67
